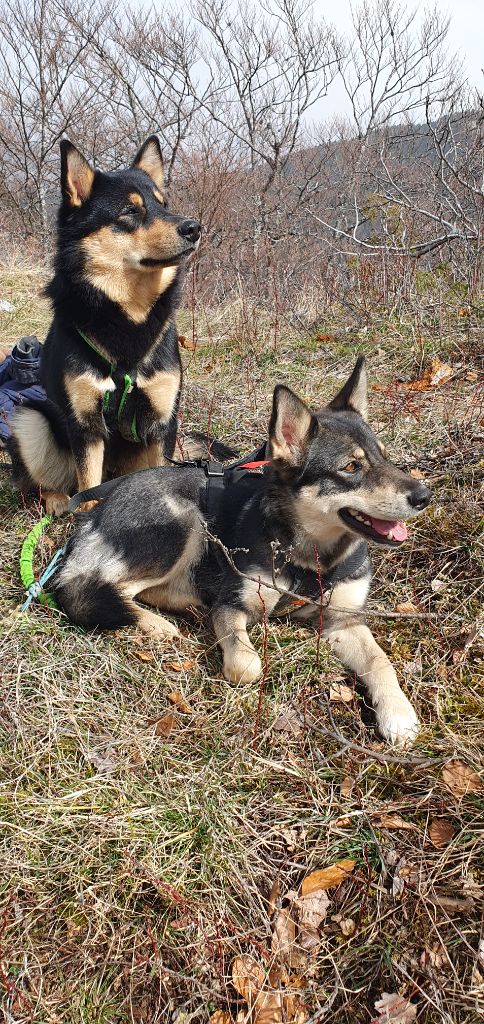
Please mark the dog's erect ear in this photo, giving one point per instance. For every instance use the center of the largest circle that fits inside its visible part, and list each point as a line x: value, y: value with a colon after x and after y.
x: 150, y: 160
x: 77, y: 175
x: 353, y: 394
x: 292, y: 427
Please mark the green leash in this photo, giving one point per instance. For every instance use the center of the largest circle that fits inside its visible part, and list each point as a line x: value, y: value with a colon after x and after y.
x: 35, y: 588
x: 129, y: 384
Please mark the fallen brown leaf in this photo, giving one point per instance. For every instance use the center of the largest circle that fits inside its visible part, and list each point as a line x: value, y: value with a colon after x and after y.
x: 417, y: 474
x: 165, y: 725
x: 180, y: 666
x: 247, y: 977
x: 435, y: 957
x: 178, y: 699
x: 220, y: 1017
x: 312, y: 909
x: 266, y: 1007
x: 466, y: 906
x: 406, y: 607
x: 103, y: 763
x: 348, y: 926
x: 440, y: 832
x: 343, y: 822
x: 273, y: 896
x: 143, y: 655
x: 182, y: 922
x: 461, y: 779
x: 341, y: 693
x: 435, y: 374
x: 283, y: 935
x: 393, y: 821
x: 327, y: 878
x: 394, y: 1008
x: 347, y: 786
x: 290, y: 722
x: 188, y: 343
x: 278, y: 1007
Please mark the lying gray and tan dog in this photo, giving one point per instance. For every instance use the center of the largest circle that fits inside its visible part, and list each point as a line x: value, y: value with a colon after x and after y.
x: 326, y: 490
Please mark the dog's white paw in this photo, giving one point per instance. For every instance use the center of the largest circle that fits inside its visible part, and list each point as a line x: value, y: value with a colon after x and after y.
x: 396, y: 719
x: 245, y: 667
x: 156, y: 625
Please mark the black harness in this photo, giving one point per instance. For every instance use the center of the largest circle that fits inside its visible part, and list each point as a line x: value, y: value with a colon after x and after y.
x: 217, y: 478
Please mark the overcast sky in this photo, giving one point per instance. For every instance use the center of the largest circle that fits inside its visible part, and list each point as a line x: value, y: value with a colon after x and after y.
x: 466, y: 37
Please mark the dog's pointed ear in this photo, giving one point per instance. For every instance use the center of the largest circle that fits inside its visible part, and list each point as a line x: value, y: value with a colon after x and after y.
x: 150, y: 160
x: 353, y: 394
x: 77, y: 175
x: 291, y: 428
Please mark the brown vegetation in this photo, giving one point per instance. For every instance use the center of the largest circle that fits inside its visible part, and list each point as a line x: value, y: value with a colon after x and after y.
x: 353, y: 208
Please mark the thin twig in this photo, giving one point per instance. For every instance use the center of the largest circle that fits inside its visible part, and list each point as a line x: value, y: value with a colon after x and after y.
x: 354, y: 612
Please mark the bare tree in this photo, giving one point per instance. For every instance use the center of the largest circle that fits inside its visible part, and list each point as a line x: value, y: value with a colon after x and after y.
x: 393, y: 63
x: 231, y: 90
x: 45, y: 91
x: 143, y: 66
x: 413, y: 179
x: 267, y: 67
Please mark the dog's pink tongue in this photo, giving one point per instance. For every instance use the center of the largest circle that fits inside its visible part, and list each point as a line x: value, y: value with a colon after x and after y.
x: 383, y: 526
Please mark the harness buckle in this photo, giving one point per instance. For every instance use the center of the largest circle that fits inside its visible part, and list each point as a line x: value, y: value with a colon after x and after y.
x: 214, y: 468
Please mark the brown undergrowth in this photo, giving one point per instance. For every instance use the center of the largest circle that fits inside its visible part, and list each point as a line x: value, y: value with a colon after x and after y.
x: 148, y: 841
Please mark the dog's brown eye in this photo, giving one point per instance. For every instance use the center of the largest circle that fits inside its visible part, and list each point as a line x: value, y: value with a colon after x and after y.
x: 351, y: 467
x: 130, y: 212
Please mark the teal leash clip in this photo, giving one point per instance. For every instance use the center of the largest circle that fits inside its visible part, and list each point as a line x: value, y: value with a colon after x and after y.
x: 37, y: 587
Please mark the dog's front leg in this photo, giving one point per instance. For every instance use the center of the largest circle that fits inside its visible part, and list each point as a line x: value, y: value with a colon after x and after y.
x: 241, y: 662
x: 89, y: 457
x: 86, y: 427
x: 357, y: 649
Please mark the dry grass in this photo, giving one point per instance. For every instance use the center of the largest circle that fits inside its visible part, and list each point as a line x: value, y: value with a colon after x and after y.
x: 135, y: 867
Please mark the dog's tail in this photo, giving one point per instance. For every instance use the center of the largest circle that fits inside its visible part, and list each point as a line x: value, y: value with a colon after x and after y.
x: 197, y: 445
x: 39, y: 449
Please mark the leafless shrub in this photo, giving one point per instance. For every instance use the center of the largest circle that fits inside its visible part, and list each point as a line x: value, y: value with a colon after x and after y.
x: 345, y: 210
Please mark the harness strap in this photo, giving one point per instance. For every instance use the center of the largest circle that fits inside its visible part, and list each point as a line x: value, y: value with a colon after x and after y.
x: 128, y: 384
x: 216, y: 474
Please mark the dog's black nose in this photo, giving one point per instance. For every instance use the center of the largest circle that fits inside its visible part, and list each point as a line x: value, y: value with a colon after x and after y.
x: 419, y: 497
x: 191, y: 230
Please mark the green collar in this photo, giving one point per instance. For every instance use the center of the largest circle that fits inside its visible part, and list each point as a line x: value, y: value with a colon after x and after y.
x: 128, y: 385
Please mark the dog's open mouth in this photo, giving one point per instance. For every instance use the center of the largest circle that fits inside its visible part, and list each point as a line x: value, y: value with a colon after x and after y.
x: 382, y: 531
x: 170, y: 261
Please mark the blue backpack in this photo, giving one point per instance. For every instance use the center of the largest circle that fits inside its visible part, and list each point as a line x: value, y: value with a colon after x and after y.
x: 19, y: 380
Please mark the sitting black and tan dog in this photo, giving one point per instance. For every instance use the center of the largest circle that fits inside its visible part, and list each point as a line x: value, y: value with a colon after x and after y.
x: 111, y: 366
x: 305, y: 519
